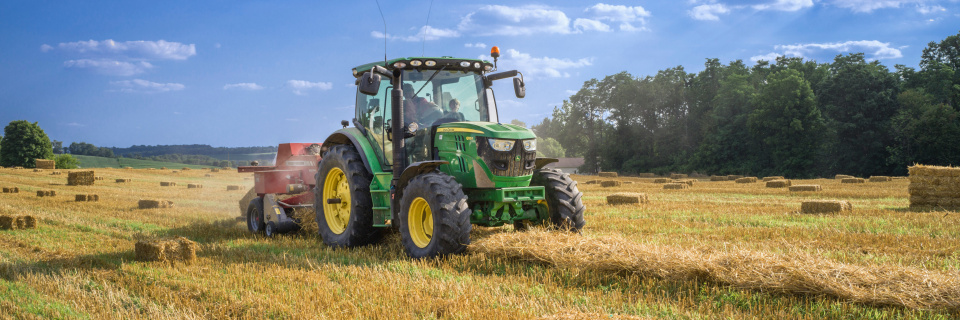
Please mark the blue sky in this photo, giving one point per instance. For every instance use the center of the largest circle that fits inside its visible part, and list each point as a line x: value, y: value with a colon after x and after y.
x: 245, y: 73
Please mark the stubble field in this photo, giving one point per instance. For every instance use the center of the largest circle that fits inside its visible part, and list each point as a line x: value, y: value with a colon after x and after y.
x: 715, y: 250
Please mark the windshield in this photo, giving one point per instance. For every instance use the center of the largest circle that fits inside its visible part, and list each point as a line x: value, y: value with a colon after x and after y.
x: 432, y: 97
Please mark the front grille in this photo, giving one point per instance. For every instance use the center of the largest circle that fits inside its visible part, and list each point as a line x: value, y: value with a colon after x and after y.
x: 505, y: 163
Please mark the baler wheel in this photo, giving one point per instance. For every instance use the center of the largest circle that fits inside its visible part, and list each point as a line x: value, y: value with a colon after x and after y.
x: 434, y: 218
x: 270, y: 230
x: 255, y: 216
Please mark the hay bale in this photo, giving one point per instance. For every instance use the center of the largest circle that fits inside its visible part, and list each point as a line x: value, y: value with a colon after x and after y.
x: 842, y: 176
x: 934, y: 186
x: 677, y: 176
x: 19, y: 223
x: 612, y: 183
x: 627, y: 198
x: 45, y: 164
x: 593, y: 181
x: 6, y: 222
x: 825, y: 206
x: 607, y: 174
x: 97, y: 178
x: 688, y: 182
x: 37, y: 170
x: 174, y: 171
x: 746, y: 180
x: 185, y: 169
x: 55, y: 173
x: 81, y: 178
x: 880, y: 179
x: 214, y: 170
x: 46, y: 193
x: 168, y: 184
x: 154, y: 204
x: 233, y: 187
x: 852, y: 180
x: 675, y: 186
x: 80, y: 197
x: 765, y: 179
x: 194, y: 186
x: 208, y: 175
x: 778, y: 183
x: 805, y: 187
x: 29, y: 222
x: 163, y: 168
x: 166, y: 250
x: 124, y: 180
x: 662, y: 180
x: 11, y: 190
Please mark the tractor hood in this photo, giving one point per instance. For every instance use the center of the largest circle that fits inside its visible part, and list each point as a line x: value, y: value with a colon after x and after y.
x: 488, y: 129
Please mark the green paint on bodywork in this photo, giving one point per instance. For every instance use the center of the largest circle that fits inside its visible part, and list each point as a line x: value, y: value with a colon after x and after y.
x: 364, y: 147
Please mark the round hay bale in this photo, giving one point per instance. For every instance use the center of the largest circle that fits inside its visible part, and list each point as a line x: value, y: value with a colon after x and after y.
x: 852, y: 180
x: 765, y: 179
x: 746, y: 180
x: 825, y: 206
x: 880, y: 179
x: 607, y: 174
x: 805, y: 187
x: 612, y: 183
x: 29, y: 222
x: 6, y: 222
x: 778, y: 183
x: 233, y: 187
x: 675, y: 186
x: 627, y: 198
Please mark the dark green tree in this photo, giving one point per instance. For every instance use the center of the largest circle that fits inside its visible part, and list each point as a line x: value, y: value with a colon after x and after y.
x: 924, y: 131
x: 23, y: 143
x: 789, y: 125
x: 66, y: 161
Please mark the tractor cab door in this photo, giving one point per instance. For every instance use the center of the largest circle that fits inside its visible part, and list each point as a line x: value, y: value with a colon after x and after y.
x: 373, y: 112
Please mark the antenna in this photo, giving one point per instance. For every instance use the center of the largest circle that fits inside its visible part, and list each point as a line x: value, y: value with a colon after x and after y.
x: 385, y: 31
x: 425, y: 26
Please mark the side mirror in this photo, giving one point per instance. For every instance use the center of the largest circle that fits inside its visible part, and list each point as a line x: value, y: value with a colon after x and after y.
x: 369, y: 83
x: 519, y: 88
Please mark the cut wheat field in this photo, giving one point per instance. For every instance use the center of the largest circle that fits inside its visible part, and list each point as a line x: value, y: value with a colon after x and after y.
x: 714, y: 250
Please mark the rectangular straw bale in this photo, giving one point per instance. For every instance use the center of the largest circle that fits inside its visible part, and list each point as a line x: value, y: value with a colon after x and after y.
x: 627, y: 198
x: 185, y: 169
x: 880, y: 179
x: 611, y: 183
x: 45, y: 164
x: 233, y: 187
x: 676, y: 176
x: 765, y: 179
x: 11, y: 190
x: 842, y: 176
x: 80, y: 197
x: 167, y: 184
x: 6, y: 222
x: 662, y: 180
x: 934, y: 186
x: 19, y: 223
x: 734, y: 177
x: 805, y: 187
x: 746, y: 180
x: 592, y: 182
x: 46, y: 193
x: 778, y: 183
x: 124, y: 180
x: 688, y: 182
x: 194, y: 186
x: 98, y: 178
x: 607, y: 174
x: 825, y: 206
x: 81, y: 178
x: 152, y: 204
x: 37, y: 170
x: 166, y: 249
x: 852, y: 180
x: 29, y: 222
x: 55, y: 173
x: 675, y: 186
x: 214, y: 170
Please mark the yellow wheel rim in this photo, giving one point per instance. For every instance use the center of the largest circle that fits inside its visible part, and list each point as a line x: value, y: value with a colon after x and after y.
x: 420, y: 222
x: 335, y: 186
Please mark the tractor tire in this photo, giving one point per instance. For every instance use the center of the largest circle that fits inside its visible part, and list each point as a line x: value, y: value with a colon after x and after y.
x: 564, y: 200
x: 434, y: 218
x: 344, y: 209
x: 255, y: 216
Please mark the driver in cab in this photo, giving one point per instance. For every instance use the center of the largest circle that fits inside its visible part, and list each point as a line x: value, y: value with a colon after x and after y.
x: 418, y: 109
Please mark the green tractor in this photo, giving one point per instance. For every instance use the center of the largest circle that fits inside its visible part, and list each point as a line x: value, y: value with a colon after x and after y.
x: 427, y: 155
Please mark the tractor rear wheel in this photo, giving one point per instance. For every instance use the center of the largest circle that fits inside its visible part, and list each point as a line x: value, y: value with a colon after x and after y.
x: 564, y: 201
x: 434, y: 218
x: 342, y: 200
x: 255, y: 215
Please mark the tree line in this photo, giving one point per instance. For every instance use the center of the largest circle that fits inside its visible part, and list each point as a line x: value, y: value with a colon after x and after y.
x: 792, y: 117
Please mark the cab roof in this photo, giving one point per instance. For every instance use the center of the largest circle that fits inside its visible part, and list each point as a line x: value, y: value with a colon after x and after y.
x: 451, y: 63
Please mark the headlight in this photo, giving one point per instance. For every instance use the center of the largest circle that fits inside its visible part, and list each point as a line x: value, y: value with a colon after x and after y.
x: 530, y: 145
x: 399, y: 65
x: 501, y: 145
x: 415, y: 63
x: 465, y: 64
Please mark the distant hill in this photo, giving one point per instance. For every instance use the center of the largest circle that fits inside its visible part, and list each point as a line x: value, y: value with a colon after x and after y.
x: 102, y: 162
x: 222, y: 153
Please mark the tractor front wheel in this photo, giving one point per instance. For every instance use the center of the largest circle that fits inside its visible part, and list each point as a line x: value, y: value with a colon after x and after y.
x: 434, y: 218
x: 564, y: 201
x: 342, y: 199
x: 255, y: 215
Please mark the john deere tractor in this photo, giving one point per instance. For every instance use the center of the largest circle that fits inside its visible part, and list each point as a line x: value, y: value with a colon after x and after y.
x: 428, y: 155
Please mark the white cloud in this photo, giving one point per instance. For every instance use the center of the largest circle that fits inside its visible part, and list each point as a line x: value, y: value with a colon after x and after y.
x: 76, y: 124
x: 591, y: 25
x: 243, y: 86
x: 930, y: 9
x: 110, y: 67
x: 137, y: 50
x: 475, y: 45
x: 426, y: 33
x: 625, y: 15
x: 785, y: 5
x: 144, y: 86
x: 867, y: 6
x: 708, y: 11
x: 513, y: 21
x: 301, y: 87
x: 872, y: 48
x: 544, y: 66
